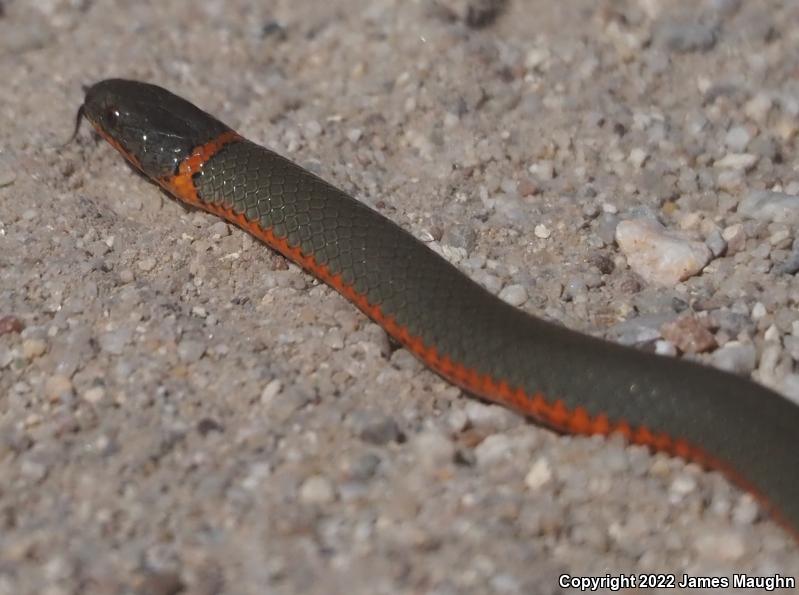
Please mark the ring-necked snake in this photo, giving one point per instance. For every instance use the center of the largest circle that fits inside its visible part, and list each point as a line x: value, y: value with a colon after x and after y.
x: 563, y: 379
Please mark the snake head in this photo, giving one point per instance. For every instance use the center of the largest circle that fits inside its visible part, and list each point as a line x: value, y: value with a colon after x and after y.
x: 155, y: 130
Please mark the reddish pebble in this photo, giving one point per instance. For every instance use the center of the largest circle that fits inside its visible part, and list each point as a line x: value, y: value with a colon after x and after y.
x: 10, y: 324
x: 689, y: 335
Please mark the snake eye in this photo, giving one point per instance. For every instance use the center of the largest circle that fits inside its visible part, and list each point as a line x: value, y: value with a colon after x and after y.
x: 111, y: 116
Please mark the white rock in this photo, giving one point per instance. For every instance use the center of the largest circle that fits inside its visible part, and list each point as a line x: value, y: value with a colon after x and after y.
x: 665, y: 348
x: 146, y: 264
x: 746, y: 510
x: 637, y: 157
x: 542, y: 231
x: 543, y: 170
x: 490, y: 418
x: 744, y: 161
x: 271, y: 390
x: 735, y: 237
x: 681, y: 486
x: 737, y: 138
x: 57, y: 386
x: 758, y: 107
x: 736, y: 357
x: 94, y: 395
x: 767, y: 205
x: 33, y: 348
x: 433, y: 449
x: 515, y: 295
x: 758, y: 311
x: 660, y: 256
x: 726, y: 546
x: 317, y: 489
x: 539, y: 475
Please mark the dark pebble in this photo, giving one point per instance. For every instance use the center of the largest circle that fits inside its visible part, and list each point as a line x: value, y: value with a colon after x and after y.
x: 161, y: 583
x: 207, y: 425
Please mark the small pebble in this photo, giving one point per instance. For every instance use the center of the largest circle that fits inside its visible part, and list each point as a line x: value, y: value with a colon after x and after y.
x: 515, y: 295
x: 737, y: 138
x: 665, y: 348
x: 162, y: 582
x: 317, y: 489
x: 354, y: 135
x: 494, y: 449
x: 490, y: 418
x: 766, y: 205
x: 114, y: 341
x: 126, y: 276
x: 189, y: 350
x: 736, y: 357
x: 312, y: 129
x: 660, y: 256
x: 758, y: 311
x: 10, y: 324
x: 474, y: 13
x: 725, y: 545
x: 790, y: 387
x: 33, y: 470
x: 730, y: 180
x: 271, y: 390
x: 758, y: 107
x: 790, y: 266
x: 779, y: 237
x: 686, y: 36
x: 715, y: 241
x: 33, y: 348
x: 362, y: 467
x: 638, y: 157
x: 460, y: 236
x: 746, y: 510
x: 542, y: 231
x: 456, y: 420
x: 740, y: 161
x: 207, y: 425
x: 334, y: 339
x: 772, y: 334
x: 682, y: 485
x: 94, y: 395
x: 539, y: 474
x: 636, y: 331
x: 220, y: 228
x: 146, y: 264
x: 688, y: 335
x: 376, y: 428
x: 575, y: 288
x: 433, y: 449
x: 735, y: 237
x: 57, y: 387
x: 543, y: 170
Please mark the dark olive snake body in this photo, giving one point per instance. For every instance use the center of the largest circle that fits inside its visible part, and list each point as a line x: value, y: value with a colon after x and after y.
x: 560, y: 378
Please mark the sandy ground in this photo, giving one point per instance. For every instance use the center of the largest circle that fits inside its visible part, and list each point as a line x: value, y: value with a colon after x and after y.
x: 182, y: 411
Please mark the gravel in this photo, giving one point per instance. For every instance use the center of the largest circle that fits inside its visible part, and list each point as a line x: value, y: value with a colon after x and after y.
x: 183, y: 412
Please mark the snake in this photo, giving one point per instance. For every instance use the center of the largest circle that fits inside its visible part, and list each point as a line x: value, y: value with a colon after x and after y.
x: 564, y: 380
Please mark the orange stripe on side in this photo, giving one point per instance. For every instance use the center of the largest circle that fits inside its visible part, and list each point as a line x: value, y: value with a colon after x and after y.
x: 554, y: 414
x: 181, y: 184
x: 131, y: 158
